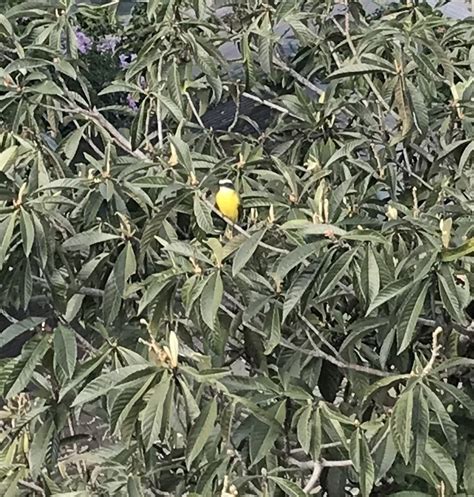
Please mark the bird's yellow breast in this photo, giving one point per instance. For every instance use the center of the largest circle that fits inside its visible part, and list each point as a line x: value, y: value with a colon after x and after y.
x: 228, y: 202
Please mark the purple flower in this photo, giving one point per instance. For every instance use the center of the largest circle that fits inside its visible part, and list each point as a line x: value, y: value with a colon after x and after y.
x: 84, y: 43
x: 126, y: 59
x: 108, y: 44
x: 132, y: 103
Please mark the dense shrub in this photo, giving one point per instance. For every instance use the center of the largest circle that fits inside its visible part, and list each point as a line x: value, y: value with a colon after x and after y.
x: 326, y: 347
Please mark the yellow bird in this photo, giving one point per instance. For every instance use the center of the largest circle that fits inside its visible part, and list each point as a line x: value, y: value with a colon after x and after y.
x: 228, y: 200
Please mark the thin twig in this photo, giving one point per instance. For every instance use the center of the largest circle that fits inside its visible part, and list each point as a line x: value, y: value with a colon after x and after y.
x: 159, y: 123
x: 271, y: 105
x: 194, y: 110
x: 317, y: 467
x: 94, y: 147
x: 312, y: 482
x: 237, y: 110
x: 435, y: 351
x: 411, y: 173
x: 32, y: 486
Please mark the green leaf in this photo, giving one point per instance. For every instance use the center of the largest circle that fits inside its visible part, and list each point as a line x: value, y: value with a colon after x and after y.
x: 275, y: 331
x: 39, y: 446
x: 287, y: 486
x: 172, y: 108
x: 65, y: 350
x: 246, y: 251
x: 70, y: 145
x: 466, y: 155
x: 83, y: 371
x: 295, y: 257
x: 153, y: 412
x: 419, y: 108
x: 468, y: 474
x: 211, y: 298
x: 7, y: 157
x: 124, y: 415
x: 316, y: 434
x: 382, y: 383
x: 203, y: 215
x: 450, y: 255
x: 264, y: 436
x: 105, y: 382
x: 369, y: 275
x: 421, y: 425
x: 401, y: 423
x: 192, y: 407
x: 191, y: 290
x: 385, y: 454
x: 40, y: 239
x: 409, y: 314
x: 443, y: 463
x: 183, y: 152
x: 444, y: 419
x: 173, y: 82
x: 16, y: 329
x: 134, y: 487
x: 295, y: 292
x: 125, y: 267
x: 7, y: 237
x: 308, y: 228
x: 26, y: 365
x: 449, y: 294
x: 357, y: 70
x: 82, y: 241
x: 200, y: 432
x: 335, y: 273
x: 304, y: 428
x: 456, y: 393
x: 111, y: 301
x: 389, y: 292
x: 362, y: 461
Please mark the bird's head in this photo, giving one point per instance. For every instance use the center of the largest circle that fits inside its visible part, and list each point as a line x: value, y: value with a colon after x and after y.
x: 226, y: 183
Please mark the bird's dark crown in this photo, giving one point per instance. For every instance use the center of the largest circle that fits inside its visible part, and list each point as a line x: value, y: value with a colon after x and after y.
x: 227, y: 183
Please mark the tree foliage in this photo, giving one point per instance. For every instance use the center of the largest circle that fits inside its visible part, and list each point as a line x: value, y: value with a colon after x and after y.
x: 326, y: 345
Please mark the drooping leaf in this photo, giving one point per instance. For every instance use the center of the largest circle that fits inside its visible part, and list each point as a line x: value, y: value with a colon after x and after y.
x: 355, y: 70
x: 295, y: 257
x: 211, y: 298
x: 362, y: 461
x: 203, y: 215
x: 26, y: 365
x: 15, y: 330
x: 275, y: 331
x: 387, y: 293
x: 27, y: 231
x: 200, y: 432
x: 409, y: 314
x: 295, y: 292
x: 421, y: 425
x: 65, y: 350
x: 104, y: 383
x: 304, y: 428
x: 39, y: 446
x: 401, y: 423
x: 443, y: 463
x: 370, y: 278
x: 288, y: 487
x: 246, y: 251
